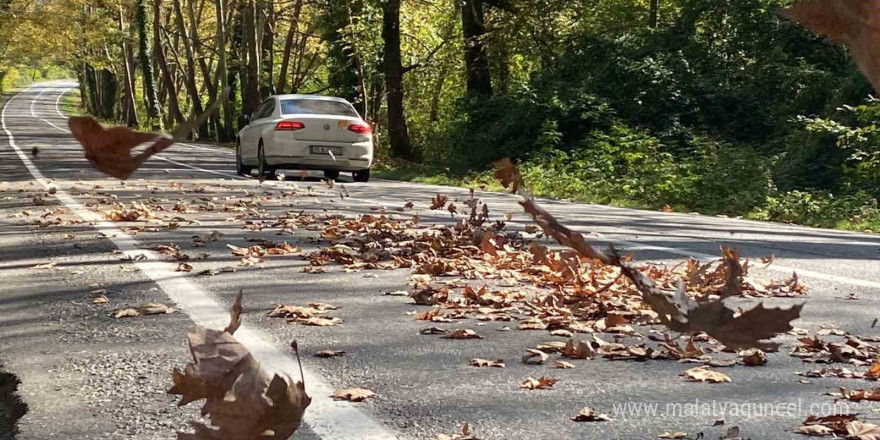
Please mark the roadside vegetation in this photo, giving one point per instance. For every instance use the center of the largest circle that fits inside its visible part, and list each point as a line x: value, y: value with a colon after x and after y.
x: 720, y: 107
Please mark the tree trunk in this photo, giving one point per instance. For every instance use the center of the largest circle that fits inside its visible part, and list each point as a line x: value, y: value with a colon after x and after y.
x: 190, y: 73
x: 288, y: 46
x: 479, y: 82
x: 398, y: 134
x: 224, y: 134
x: 268, y: 49
x: 251, y: 91
x: 105, y: 95
x: 91, y: 101
x: 161, y: 60
x: 150, y: 98
x: 129, y: 106
x: 652, y: 18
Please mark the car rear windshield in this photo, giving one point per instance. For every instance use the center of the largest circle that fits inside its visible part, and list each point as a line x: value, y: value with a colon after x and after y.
x: 316, y: 107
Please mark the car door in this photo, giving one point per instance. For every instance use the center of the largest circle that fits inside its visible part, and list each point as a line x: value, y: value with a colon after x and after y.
x: 251, y: 135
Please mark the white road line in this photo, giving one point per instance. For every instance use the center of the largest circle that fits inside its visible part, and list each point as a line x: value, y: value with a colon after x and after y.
x: 327, y: 418
x: 34, y: 113
x: 58, y: 101
x: 630, y: 245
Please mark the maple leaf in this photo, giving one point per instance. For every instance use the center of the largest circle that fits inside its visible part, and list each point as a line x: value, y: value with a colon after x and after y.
x: 354, y: 394
x: 242, y: 400
x: 848, y: 22
x: 588, y: 414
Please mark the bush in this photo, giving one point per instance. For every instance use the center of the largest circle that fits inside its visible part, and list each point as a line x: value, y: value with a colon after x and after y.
x: 856, y: 211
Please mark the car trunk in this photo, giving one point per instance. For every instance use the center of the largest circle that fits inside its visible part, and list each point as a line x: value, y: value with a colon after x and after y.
x: 325, y: 128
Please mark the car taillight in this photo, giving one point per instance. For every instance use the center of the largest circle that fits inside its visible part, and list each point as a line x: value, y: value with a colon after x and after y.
x: 289, y: 126
x: 360, y: 128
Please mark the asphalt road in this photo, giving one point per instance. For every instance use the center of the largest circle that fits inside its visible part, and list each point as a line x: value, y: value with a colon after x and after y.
x: 87, y: 375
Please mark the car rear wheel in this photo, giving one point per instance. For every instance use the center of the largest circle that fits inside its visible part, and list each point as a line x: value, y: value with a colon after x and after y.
x: 331, y: 174
x: 361, y: 176
x: 240, y: 168
x: 264, y: 170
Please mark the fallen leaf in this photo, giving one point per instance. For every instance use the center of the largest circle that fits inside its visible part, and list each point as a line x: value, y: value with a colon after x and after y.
x: 541, y: 383
x: 675, y: 435
x: 863, y: 431
x: 703, y: 374
x: 477, y: 362
x: 563, y: 365
x: 354, y: 394
x: 587, y: 414
x: 329, y: 353
x: 754, y: 357
x: 149, y: 309
x: 533, y: 356
x: 463, y: 334
x: 814, y: 430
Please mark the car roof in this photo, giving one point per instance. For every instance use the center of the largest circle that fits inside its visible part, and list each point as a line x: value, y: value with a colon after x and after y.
x: 316, y: 97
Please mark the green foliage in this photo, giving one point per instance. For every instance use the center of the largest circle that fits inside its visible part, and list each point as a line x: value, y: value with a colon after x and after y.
x: 857, y: 211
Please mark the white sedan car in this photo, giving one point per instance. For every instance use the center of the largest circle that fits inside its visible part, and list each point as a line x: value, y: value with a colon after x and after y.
x: 305, y: 132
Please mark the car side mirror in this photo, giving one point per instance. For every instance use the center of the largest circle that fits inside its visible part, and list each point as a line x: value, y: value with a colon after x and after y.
x: 243, y: 121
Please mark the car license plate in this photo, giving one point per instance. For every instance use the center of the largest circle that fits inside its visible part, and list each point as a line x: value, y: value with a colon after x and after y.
x: 320, y: 149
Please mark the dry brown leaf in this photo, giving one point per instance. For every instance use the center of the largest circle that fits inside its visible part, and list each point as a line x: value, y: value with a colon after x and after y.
x: 836, y: 423
x: 439, y: 201
x: 462, y: 334
x: 754, y: 357
x: 149, y: 309
x: 852, y: 23
x: 466, y: 434
x: 863, y: 431
x: 541, y: 383
x: 242, y: 400
x: 329, y: 353
x: 319, y: 321
x: 477, y: 362
x: 582, y: 350
x: 703, y: 374
x: 674, y: 435
x: 814, y: 430
x: 508, y: 174
x: 563, y: 365
x: 533, y: 356
x: 354, y: 394
x: 588, y: 414
x: 872, y: 395
x: 874, y: 371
